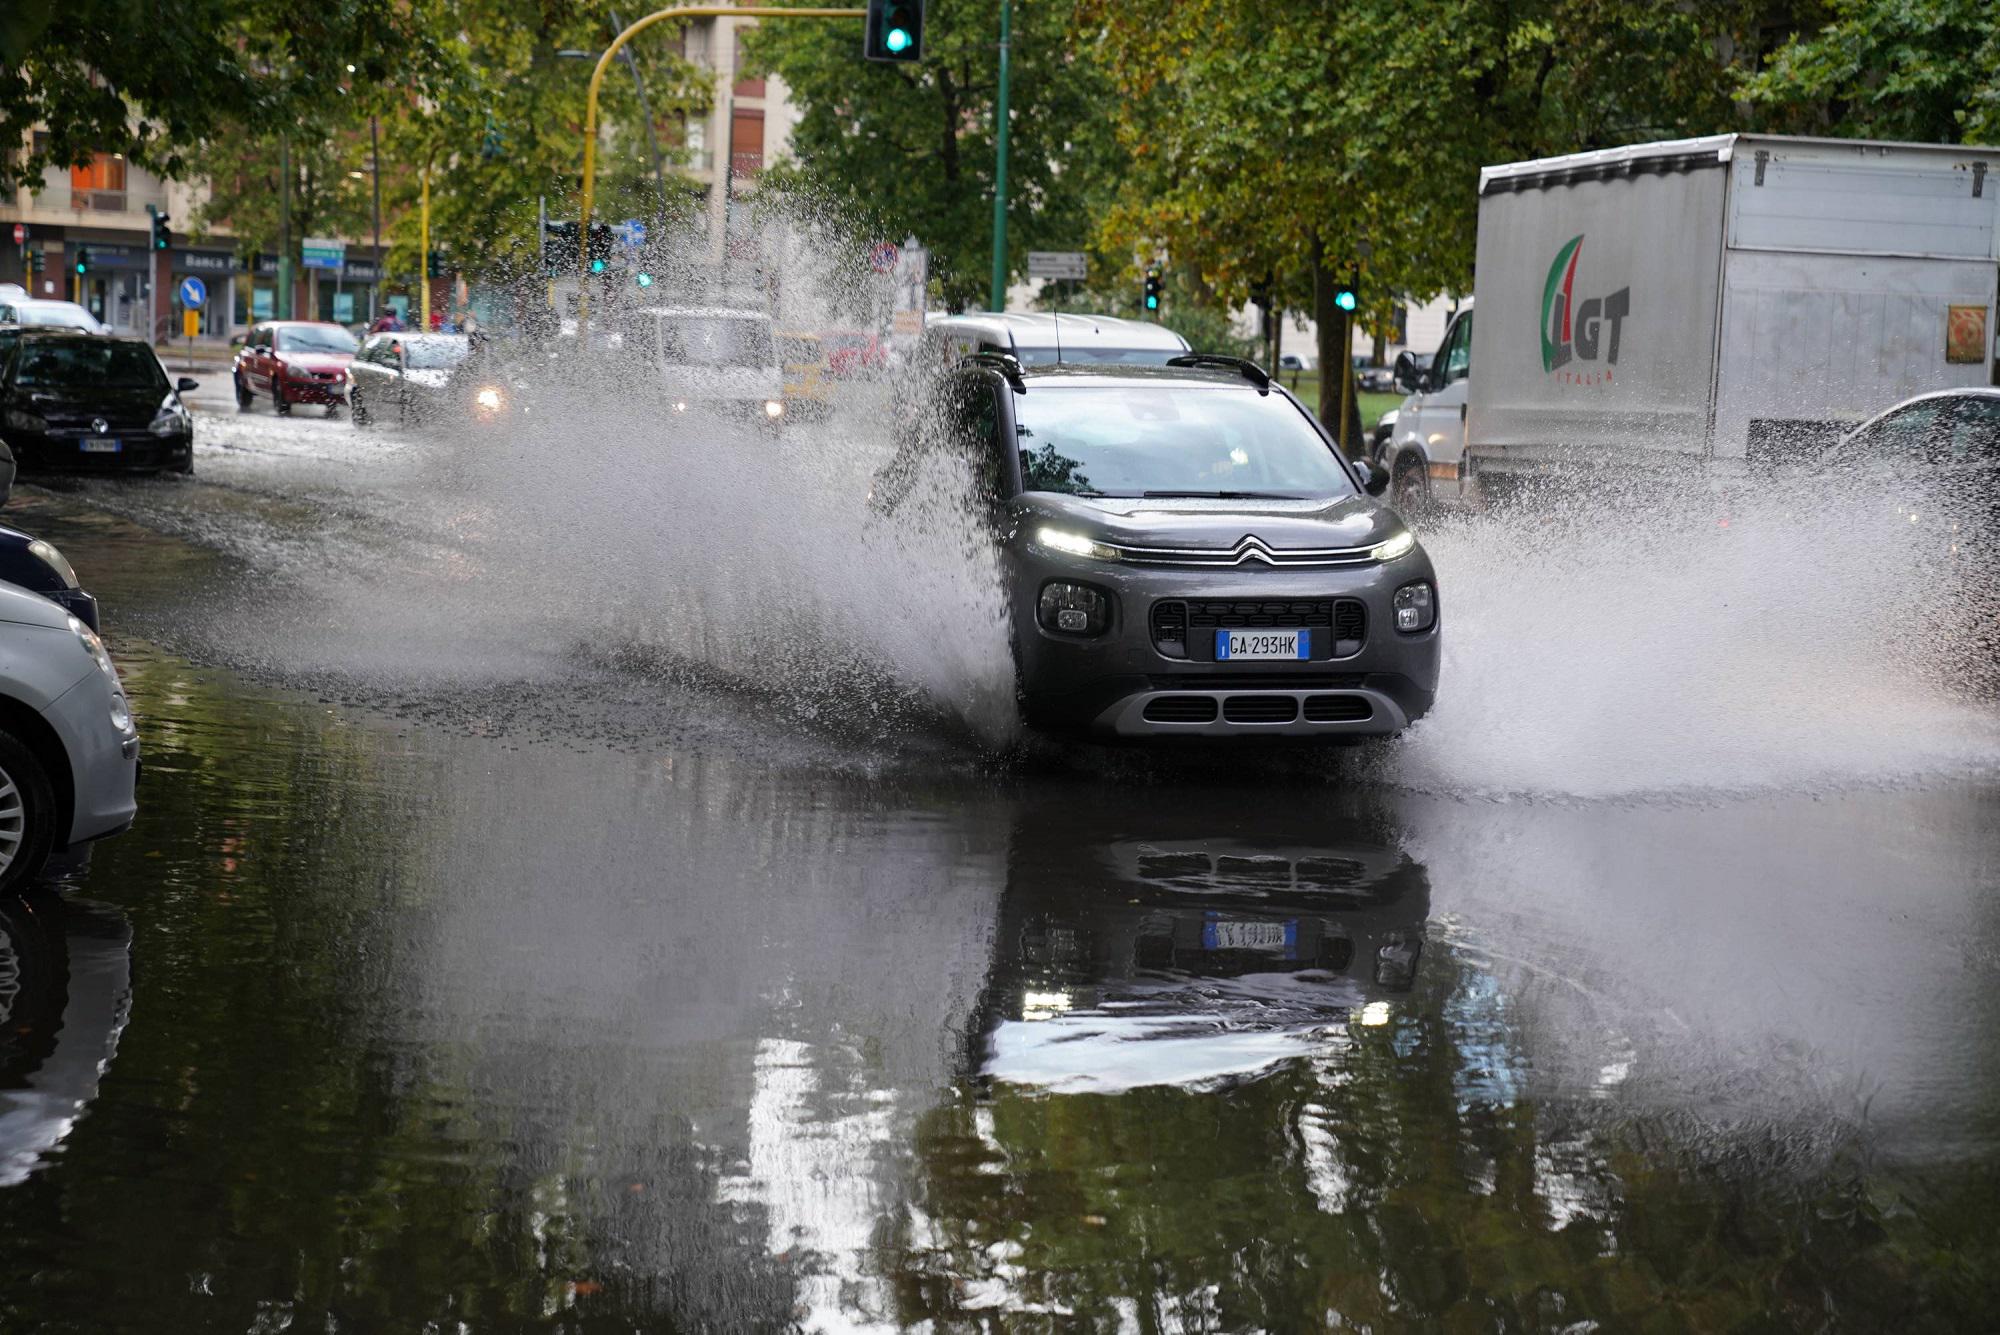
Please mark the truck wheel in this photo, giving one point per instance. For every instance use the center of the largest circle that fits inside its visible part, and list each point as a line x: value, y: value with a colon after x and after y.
x: 1410, y: 486
x: 27, y: 814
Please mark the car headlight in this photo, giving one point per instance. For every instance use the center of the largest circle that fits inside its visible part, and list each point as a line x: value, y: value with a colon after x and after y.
x: 95, y: 648
x: 1073, y: 609
x: 1075, y: 544
x: 23, y: 420
x: 488, y: 398
x: 1416, y: 607
x: 773, y: 409
x: 169, y: 421
x: 1391, y: 548
x: 680, y: 405
x: 54, y: 560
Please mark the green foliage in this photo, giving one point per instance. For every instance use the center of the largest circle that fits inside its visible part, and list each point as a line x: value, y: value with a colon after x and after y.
x: 1925, y: 70
x: 910, y: 147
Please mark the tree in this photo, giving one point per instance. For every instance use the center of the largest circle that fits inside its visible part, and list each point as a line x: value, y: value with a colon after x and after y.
x: 910, y: 148
x: 1889, y: 69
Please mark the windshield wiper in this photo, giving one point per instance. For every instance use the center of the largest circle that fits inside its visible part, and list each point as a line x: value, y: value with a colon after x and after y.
x: 1220, y: 496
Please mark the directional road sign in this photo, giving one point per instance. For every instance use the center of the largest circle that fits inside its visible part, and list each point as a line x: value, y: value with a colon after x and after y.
x: 1056, y: 264
x: 194, y: 293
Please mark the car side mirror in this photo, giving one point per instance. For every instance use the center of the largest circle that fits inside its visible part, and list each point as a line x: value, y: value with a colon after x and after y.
x: 186, y: 385
x: 1374, y: 479
x: 1408, y: 377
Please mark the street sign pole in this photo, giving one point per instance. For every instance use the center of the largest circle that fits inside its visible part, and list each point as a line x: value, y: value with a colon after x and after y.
x: 590, y: 114
x: 1000, y: 165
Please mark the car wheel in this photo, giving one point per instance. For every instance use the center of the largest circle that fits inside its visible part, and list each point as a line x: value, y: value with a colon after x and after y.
x: 243, y: 396
x: 1410, y: 486
x: 27, y: 814
x: 356, y: 411
x: 278, y: 404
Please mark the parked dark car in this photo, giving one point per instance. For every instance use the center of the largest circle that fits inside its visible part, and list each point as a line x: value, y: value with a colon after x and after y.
x: 1186, y: 552
x: 1376, y: 380
x: 409, y: 377
x: 92, y: 403
x: 293, y: 361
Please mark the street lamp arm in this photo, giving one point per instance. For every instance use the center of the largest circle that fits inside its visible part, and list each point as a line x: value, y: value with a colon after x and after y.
x: 604, y: 60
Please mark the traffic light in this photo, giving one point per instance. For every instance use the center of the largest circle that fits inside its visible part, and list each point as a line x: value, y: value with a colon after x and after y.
x: 895, y: 30
x: 1152, y: 291
x: 559, y: 248
x: 82, y: 260
x: 600, y: 247
x: 434, y: 264
x: 643, y: 279
x: 37, y: 261
x: 1347, y: 295
x: 161, y: 237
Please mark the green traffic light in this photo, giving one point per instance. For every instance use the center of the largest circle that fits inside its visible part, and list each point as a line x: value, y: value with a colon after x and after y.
x: 597, y: 266
x: 1346, y: 301
x: 898, y: 40
x: 82, y: 268
x: 645, y: 280
x: 1152, y: 303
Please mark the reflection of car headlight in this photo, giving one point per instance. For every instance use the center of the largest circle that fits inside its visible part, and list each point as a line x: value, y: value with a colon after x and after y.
x: 488, y: 398
x: 773, y: 409
x: 54, y: 560
x: 1074, y: 544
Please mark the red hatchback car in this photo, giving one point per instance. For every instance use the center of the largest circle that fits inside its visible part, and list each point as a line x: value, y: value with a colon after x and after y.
x: 294, y: 361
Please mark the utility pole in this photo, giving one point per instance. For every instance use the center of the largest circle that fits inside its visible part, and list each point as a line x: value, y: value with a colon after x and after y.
x: 375, y: 156
x: 284, y: 303
x: 424, y: 262
x: 1000, y: 165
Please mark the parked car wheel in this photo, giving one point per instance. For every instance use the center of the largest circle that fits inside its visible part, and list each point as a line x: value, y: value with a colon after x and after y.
x: 243, y: 396
x: 27, y: 814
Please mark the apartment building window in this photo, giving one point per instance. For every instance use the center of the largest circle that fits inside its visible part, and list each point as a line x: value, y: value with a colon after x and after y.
x: 99, y: 183
x: 746, y: 142
x: 746, y: 87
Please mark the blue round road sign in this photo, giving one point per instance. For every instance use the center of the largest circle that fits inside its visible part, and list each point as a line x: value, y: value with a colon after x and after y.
x: 194, y: 293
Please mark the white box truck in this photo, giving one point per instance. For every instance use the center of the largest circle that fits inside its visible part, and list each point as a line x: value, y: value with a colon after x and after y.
x: 1734, y: 300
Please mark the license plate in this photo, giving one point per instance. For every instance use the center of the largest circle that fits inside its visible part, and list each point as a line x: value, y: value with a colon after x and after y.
x: 99, y: 445
x: 1233, y: 644
x: 1223, y: 934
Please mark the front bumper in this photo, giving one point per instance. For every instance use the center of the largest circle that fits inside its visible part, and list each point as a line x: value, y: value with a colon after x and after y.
x: 314, y: 391
x: 104, y: 764
x: 1121, y: 685
x: 139, y: 451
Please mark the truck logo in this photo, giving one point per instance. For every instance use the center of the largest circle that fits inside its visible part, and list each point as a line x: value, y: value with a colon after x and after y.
x: 1579, y: 330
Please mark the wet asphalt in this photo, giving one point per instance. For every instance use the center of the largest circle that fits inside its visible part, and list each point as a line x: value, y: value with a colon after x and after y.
x: 461, y: 976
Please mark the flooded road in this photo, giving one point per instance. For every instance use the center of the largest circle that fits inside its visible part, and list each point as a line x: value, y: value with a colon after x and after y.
x: 520, y: 990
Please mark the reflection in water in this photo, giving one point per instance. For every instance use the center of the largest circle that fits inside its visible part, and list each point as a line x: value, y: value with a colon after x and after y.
x: 1190, y: 950
x: 65, y: 974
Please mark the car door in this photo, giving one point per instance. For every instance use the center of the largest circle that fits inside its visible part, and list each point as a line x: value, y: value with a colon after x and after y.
x: 260, y: 360
x: 1440, y: 425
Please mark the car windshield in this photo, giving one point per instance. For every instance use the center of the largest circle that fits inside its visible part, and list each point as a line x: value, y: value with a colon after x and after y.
x: 316, y: 338
x: 1096, y: 356
x: 45, y: 362
x: 714, y: 341
x: 1171, y: 440
x: 434, y: 354
x: 61, y: 314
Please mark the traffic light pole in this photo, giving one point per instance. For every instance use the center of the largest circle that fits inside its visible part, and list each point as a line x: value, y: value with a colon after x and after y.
x: 1000, y: 164
x: 590, y: 115
x: 424, y: 222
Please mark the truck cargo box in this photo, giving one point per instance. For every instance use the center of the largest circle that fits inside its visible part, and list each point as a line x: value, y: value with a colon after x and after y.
x: 1738, y: 298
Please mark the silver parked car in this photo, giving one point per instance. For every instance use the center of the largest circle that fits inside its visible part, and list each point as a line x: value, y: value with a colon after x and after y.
x: 69, y: 750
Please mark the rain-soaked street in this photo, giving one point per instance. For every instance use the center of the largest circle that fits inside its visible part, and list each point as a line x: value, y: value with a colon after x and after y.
x: 517, y: 935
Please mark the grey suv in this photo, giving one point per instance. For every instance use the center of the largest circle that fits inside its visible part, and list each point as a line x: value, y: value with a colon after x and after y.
x: 1188, y: 554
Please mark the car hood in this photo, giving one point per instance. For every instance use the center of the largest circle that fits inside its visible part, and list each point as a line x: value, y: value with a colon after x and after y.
x: 101, y: 400
x: 316, y: 361
x: 722, y: 382
x: 1345, y: 521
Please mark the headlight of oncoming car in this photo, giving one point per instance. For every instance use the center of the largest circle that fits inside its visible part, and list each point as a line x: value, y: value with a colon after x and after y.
x: 773, y: 409
x: 488, y: 398
x: 1073, y: 609
x: 53, y: 559
x: 1074, y: 544
x: 1416, y: 607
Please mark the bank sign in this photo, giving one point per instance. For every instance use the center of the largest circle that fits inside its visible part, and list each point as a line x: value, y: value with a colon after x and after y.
x: 1579, y: 338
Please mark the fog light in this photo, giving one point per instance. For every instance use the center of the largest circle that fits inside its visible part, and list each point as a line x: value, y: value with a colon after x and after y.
x: 1416, y: 608
x: 773, y: 409
x: 1073, y: 609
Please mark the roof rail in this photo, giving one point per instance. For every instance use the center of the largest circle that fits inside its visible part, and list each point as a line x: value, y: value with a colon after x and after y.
x: 1243, y: 366
x: 1006, y: 363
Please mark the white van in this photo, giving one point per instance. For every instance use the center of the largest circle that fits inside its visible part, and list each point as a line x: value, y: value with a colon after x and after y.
x: 716, y: 358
